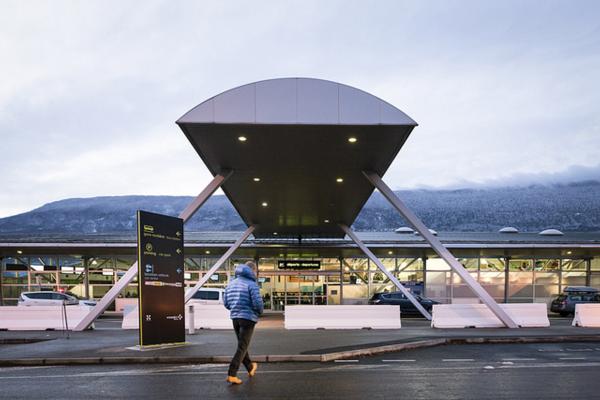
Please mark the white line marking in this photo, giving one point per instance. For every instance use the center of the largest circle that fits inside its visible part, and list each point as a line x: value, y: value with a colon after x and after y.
x: 390, y: 361
x: 346, y: 361
x: 519, y: 359
x: 218, y: 374
x: 550, y: 349
x: 572, y: 358
x: 457, y: 359
x: 579, y: 350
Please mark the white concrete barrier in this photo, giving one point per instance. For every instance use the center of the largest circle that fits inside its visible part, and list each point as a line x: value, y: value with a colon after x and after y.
x: 342, y: 317
x: 587, y: 315
x: 40, y: 318
x: 122, y: 302
x: 526, y: 315
x: 213, y: 316
x: 130, y: 317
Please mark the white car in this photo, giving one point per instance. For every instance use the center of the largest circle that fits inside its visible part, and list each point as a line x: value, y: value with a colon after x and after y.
x: 51, y: 299
x: 208, y: 296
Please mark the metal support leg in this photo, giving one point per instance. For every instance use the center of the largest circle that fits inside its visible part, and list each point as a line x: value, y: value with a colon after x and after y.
x: 131, y: 273
x: 190, y: 293
x: 383, y: 269
x: 439, y: 248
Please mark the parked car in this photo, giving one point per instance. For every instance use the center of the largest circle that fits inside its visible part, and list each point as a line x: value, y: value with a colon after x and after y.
x: 208, y: 296
x: 565, y: 303
x: 51, y: 299
x: 399, y: 299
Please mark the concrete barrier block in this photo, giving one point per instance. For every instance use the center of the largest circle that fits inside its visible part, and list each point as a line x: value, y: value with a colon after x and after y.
x: 206, y: 316
x: 211, y: 316
x: 342, y: 317
x: 587, y: 315
x: 526, y: 315
x: 40, y: 318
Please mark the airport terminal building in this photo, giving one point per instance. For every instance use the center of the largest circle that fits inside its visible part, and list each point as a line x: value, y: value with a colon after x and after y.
x: 512, y: 267
x: 298, y: 158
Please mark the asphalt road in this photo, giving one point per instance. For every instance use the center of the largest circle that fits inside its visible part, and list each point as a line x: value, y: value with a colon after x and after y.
x: 533, y: 371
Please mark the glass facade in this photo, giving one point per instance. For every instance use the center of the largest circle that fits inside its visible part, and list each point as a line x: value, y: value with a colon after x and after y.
x: 344, y: 280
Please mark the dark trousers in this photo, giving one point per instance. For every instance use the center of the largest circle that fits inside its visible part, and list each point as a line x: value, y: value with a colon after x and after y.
x: 243, y: 330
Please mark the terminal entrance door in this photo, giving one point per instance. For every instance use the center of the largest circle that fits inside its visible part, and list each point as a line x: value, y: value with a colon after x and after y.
x: 280, y: 289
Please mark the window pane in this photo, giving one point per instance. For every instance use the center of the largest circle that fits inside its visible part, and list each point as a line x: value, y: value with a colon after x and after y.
x: 438, y: 286
x: 573, y: 279
x: 520, y: 265
x: 437, y: 264
x: 491, y: 264
x: 547, y: 265
x: 574, y: 265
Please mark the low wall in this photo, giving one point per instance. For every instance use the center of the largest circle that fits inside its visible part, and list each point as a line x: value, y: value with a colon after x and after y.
x: 40, y: 318
x: 587, y: 315
x: 526, y: 315
x: 213, y: 316
x: 342, y: 317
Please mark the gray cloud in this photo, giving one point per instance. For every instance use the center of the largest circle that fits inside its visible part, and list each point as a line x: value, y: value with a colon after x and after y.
x: 91, y: 90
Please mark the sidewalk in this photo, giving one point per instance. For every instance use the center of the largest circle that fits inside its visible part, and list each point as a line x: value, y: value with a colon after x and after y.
x: 109, y: 344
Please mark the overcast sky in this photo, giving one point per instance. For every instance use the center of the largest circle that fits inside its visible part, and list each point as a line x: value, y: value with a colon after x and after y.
x: 504, y: 92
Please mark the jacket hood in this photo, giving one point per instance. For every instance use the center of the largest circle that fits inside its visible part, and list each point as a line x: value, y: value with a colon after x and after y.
x: 245, y: 271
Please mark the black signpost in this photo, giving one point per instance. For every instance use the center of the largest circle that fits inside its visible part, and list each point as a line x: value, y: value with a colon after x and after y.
x: 160, y: 279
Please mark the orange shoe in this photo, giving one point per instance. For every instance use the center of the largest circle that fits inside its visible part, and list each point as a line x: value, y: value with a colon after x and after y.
x: 252, y: 371
x: 234, y: 380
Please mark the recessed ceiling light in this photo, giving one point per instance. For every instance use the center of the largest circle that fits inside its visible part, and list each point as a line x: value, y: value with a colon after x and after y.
x: 326, y: 221
x: 390, y: 252
x: 242, y: 138
x: 339, y: 180
x: 19, y: 251
x: 275, y: 233
x: 256, y: 179
x: 207, y: 251
x: 569, y: 252
x: 264, y: 204
x: 352, y: 139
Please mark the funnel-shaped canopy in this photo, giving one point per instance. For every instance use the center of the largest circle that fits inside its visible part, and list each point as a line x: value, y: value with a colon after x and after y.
x: 297, y: 148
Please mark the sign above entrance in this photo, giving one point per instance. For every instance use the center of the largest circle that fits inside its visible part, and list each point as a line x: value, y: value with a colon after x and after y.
x: 299, y: 264
x: 160, y: 271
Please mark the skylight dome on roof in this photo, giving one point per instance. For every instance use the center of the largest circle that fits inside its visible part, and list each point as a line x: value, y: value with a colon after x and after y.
x: 508, y: 229
x: 551, y: 232
x: 404, y: 229
x: 434, y: 233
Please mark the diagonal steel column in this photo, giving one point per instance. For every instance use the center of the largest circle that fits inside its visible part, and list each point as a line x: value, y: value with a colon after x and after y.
x: 131, y: 273
x: 383, y: 269
x: 190, y: 293
x: 440, y: 249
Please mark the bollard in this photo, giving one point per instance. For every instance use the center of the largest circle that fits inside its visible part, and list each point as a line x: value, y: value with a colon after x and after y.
x: 190, y: 317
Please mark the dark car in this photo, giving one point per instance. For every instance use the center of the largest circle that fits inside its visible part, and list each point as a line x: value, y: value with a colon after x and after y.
x: 399, y: 299
x: 565, y: 303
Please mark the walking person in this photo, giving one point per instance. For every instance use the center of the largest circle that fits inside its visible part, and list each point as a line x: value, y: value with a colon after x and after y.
x: 242, y: 299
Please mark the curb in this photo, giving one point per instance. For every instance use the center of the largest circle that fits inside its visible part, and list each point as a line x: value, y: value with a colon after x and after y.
x: 326, y: 357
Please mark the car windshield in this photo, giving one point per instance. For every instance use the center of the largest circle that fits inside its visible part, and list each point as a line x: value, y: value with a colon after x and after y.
x: 206, y: 295
x: 561, y: 297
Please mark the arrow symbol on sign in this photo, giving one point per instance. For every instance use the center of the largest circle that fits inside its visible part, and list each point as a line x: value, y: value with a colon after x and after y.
x: 178, y: 251
x: 178, y: 234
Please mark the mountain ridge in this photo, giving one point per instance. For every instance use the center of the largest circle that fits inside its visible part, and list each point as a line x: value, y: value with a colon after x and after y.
x: 569, y: 207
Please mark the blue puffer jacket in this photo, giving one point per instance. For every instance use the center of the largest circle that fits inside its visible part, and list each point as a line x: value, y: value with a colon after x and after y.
x: 242, y: 295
